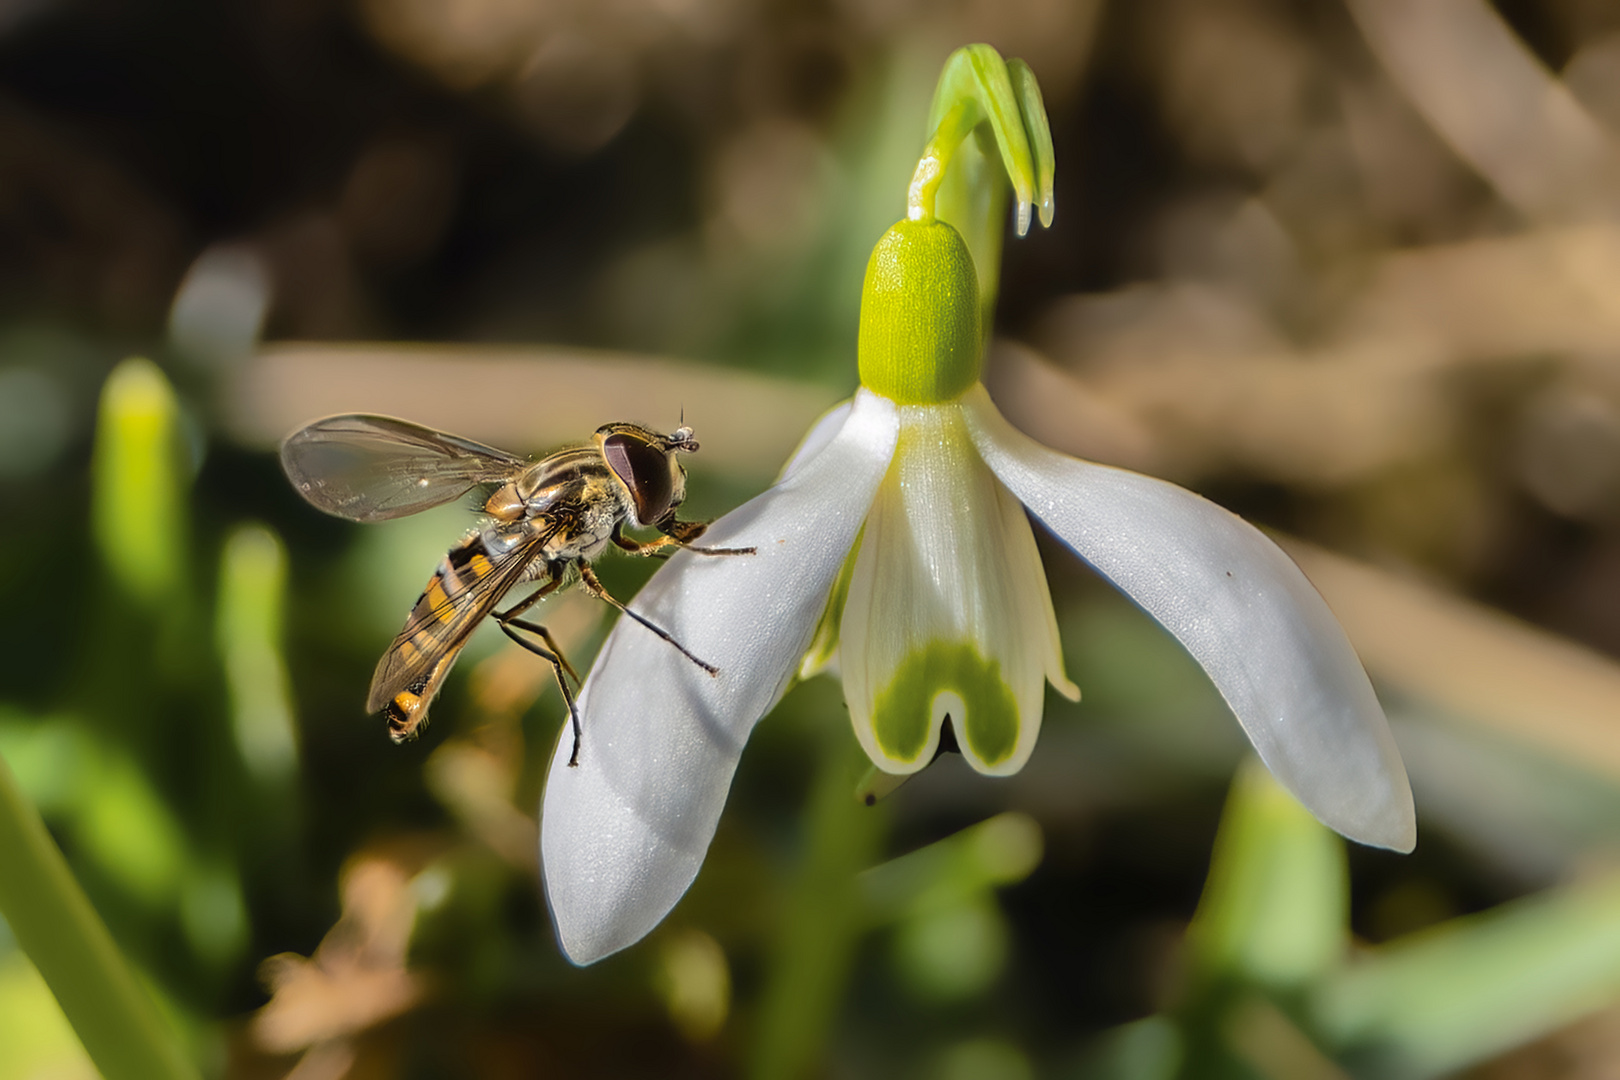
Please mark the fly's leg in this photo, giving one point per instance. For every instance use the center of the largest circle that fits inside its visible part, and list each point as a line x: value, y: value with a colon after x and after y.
x: 719, y: 551
x: 682, y: 532
x: 510, y: 624
x: 679, y: 534
x: 557, y: 657
x: 587, y: 578
x: 559, y: 666
x: 652, y: 549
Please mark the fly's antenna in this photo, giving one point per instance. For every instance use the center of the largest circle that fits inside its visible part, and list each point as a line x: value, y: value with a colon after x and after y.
x: 682, y: 439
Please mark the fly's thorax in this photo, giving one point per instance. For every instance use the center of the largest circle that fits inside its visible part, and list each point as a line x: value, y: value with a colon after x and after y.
x: 505, y: 504
x: 587, y: 523
x: 555, y: 477
x: 646, y: 466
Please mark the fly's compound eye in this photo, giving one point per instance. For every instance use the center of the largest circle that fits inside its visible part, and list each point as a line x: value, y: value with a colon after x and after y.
x: 646, y: 470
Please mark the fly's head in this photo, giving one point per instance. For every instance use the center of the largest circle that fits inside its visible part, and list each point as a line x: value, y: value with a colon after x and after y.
x: 647, y: 464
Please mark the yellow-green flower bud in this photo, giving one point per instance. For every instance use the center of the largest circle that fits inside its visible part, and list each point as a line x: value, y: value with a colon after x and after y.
x: 920, y: 341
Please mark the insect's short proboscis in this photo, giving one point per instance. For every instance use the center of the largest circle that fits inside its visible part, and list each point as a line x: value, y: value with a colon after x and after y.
x: 548, y: 521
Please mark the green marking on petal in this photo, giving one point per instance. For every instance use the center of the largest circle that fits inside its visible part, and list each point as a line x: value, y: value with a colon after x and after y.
x: 988, y: 723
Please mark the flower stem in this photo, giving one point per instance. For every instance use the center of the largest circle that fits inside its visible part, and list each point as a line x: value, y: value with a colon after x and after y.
x: 824, y: 920
x: 957, y: 124
x: 64, y: 937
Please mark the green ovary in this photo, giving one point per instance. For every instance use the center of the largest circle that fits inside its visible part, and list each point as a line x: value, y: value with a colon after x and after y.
x: 900, y: 716
x: 920, y: 341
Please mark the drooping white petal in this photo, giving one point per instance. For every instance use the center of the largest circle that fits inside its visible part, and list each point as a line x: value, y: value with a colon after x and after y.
x: 816, y: 439
x: 948, y: 612
x: 622, y: 835
x: 1241, y: 608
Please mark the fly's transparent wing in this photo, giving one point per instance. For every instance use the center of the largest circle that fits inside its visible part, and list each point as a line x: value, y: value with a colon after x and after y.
x: 373, y: 468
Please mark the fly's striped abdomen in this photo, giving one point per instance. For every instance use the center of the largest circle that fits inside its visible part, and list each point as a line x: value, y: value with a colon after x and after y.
x: 407, y: 710
x: 443, y: 604
x: 470, y: 580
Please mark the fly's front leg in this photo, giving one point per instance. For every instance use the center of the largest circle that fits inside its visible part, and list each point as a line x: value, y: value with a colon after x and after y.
x: 682, y: 533
x: 588, y: 579
x: 510, y: 624
x: 653, y: 549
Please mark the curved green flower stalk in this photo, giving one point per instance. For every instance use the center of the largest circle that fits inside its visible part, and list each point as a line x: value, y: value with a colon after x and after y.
x: 989, y: 135
x: 897, y: 551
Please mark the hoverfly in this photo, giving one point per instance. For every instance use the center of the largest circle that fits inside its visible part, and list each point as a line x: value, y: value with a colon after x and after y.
x: 548, y: 520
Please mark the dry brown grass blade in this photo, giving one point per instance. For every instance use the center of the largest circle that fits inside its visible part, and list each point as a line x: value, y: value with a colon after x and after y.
x: 525, y: 398
x: 357, y: 977
x: 1184, y: 380
x: 1475, y: 664
x: 1488, y: 96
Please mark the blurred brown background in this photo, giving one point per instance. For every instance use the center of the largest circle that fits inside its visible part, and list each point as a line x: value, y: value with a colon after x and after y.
x: 1350, y: 268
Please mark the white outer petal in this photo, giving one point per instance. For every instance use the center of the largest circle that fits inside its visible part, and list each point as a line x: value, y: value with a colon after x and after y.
x: 623, y: 834
x: 1241, y: 608
x: 816, y: 439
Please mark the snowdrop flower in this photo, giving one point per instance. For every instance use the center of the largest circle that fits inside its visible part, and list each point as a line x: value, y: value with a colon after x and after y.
x: 899, y: 541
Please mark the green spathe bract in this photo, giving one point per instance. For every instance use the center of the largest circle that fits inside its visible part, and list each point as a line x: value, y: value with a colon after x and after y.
x: 920, y: 340
x: 988, y: 719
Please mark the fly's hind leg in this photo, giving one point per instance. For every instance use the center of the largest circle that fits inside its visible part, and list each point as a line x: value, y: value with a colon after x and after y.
x: 588, y: 579
x: 510, y: 624
x: 559, y: 666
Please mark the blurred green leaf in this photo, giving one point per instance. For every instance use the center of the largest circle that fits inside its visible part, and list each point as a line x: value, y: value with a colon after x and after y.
x: 35, y: 1038
x: 65, y: 938
x: 951, y: 938
x: 248, y: 629
x: 120, y: 824
x: 694, y: 980
x: 1275, y: 906
x: 130, y: 832
x: 106, y: 802
x: 139, y: 479
x: 213, y: 914
x: 1147, y: 1049
x: 48, y: 757
x: 952, y: 952
x: 1003, y: 850
x: 982, y: 1059
x: 1273, y: 917
x: 1435, y: 1001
